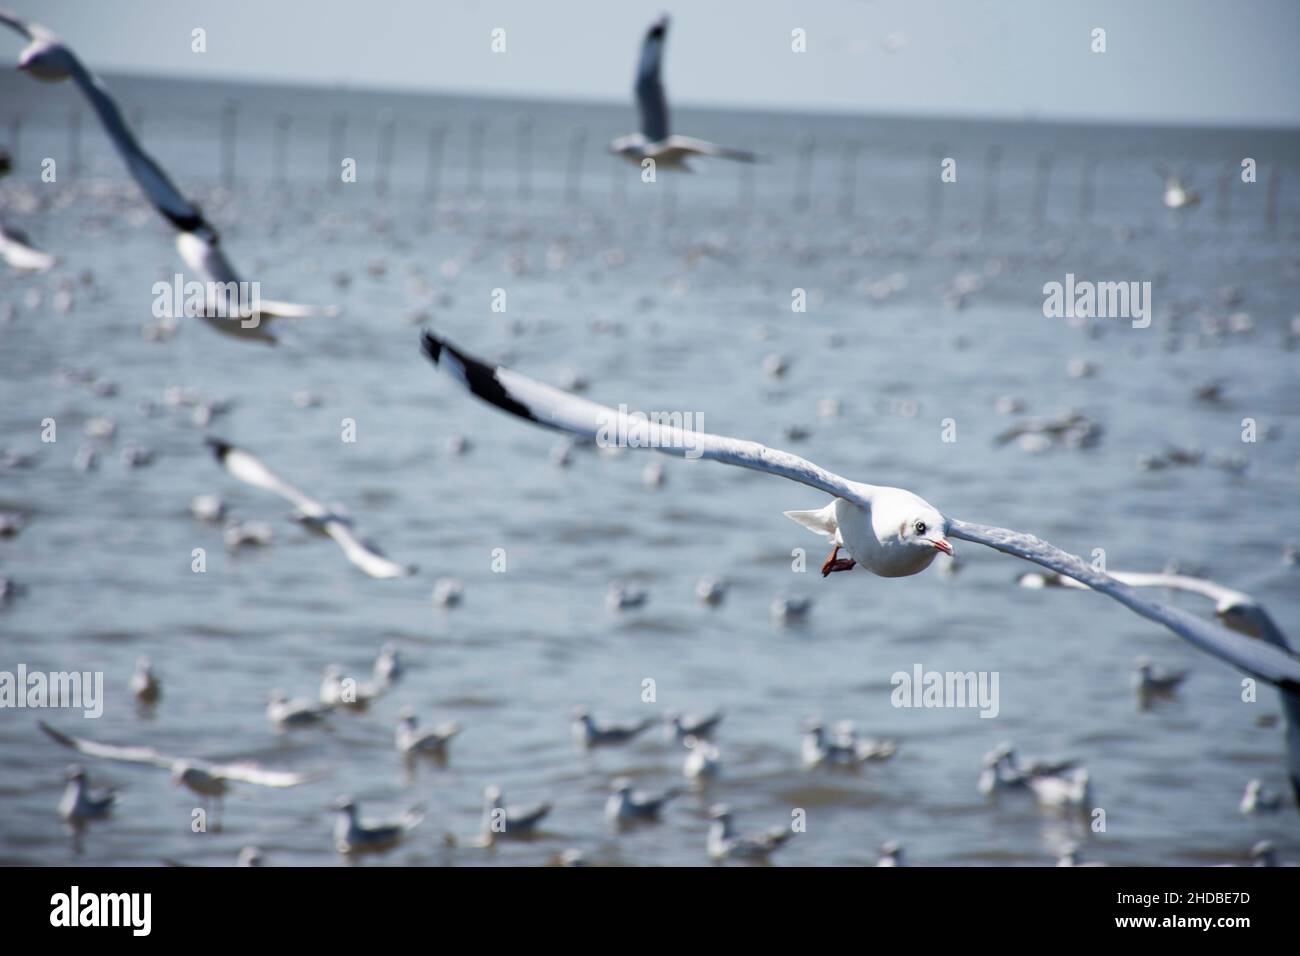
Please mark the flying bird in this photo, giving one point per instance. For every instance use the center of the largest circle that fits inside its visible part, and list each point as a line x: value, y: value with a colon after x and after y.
x: 204, y: 778
x: 249, y: 469
x: 890, y: 532
x: 669, y: 151
x: 227, y: 310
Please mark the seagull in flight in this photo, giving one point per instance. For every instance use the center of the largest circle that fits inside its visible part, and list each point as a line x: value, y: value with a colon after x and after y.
x: 669, y: 151
x: 204, y: 778
x: 48, y: 59
x: 249, y: 469
x: 887, y: 531
x: 15, y: 248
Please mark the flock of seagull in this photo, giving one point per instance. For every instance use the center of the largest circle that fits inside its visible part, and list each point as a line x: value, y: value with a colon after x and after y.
x: 874, y: 528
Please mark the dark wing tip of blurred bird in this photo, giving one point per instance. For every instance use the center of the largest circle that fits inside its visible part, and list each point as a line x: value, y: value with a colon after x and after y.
x: 219, y: 448
x: 431, y: 345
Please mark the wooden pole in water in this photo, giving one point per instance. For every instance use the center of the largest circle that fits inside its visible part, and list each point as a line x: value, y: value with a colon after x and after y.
x: 1274, y: 186
x: 334, y: 167
x: 229, y: 114
x: 992, y: 162
x: 15, y: 136
x: 1223, y: 204
x: 524, y: 157
x: 935, y: 193
x: 474, y: 169
x: 745, y: 187
x: 849, y: 177
x: 1087, y: 176
x: 803, y: 172
x: 280, y: 150
x: 384, y: 150
x: 573, y: 171
x: 433, y: 162
x: 1042, y: 181
x: 74, y: 141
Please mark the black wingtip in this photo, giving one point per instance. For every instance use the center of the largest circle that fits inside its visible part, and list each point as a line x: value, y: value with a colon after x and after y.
x: 431, y: 345
x: 658, y: 28
x: 219, y: 448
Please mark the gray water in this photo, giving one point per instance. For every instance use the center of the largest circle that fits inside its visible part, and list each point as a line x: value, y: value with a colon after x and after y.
x: 665, y: 296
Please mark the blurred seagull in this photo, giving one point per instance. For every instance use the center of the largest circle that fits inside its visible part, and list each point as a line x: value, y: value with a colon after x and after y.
x: 1069, y: 789
x: 844, y: 750
x: 145, y: 686
x: 699, y: 726
x: 286, y: 713
x: 48, y: 59
x: 625, y: 597
x: 891, y: 854
x: 353, y: 836
x: 710, y: 591
x: 591, y: 734
x: 1258, y: 800
x: 1003, y: 769
x: 887, y: 531
x: 15, y: 248
x: 703, y: 762
x: 654, y: 141
x: 388, y: 665
x: 249, y: 469
x: 500, y: 821
x: 203, y: 778
x: 627, y: 806
x: 80, y: 804
x: 1176, y: 195
x: 725, y: 844
x: 413, y: 740
x: 338, y: 690
x: 1148, y: 682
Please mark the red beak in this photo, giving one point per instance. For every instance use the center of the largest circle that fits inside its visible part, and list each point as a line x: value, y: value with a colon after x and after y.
x: 943, y: 545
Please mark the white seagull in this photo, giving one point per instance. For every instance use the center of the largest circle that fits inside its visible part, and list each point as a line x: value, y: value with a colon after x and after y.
x: 249, y: 469
x: 412, y: 740
x: 145, y: 686
x: 48, y: 59
x: 890, y: 532
x: 80, y: 804
x: 590, y: 734
x: 204, y: 778
x: 725, y: 844
x: 500, y: 821
x: 15, y: 248
x: 287, y: 713
x: 627, y: 806
x: 353, y: 836
x: 669, y: 151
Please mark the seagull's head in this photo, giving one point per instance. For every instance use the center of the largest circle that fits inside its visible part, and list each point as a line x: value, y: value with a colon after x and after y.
x: 76, y: 774
x: 720, y: 811
x: 345, y: 805
x: 911, y: 528
x: 47, y: 60
x: 621, y: 785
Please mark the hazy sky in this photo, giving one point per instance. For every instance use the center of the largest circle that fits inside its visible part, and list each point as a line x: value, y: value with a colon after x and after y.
x: 1172, y: 61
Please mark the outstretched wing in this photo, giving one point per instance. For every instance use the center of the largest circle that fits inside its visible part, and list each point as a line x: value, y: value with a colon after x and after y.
x: 251, y: 773
x: 1256, y: 658
x: 363, y: 554
x: 145, y: 755
x: 158, y: 188
x: 552, y: 408
x: 32, y: 31
x: 249, y: 469
x: 689, y: 145
x: 650, y: 99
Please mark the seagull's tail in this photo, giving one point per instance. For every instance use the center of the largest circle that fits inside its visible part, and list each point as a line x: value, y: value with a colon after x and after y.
x: 821, y: 521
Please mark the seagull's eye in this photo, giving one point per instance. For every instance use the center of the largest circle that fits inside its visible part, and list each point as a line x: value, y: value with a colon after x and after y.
x: 920, y: 527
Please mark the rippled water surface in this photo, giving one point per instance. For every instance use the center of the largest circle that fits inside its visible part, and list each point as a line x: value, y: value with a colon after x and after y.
x: 665, y: 296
